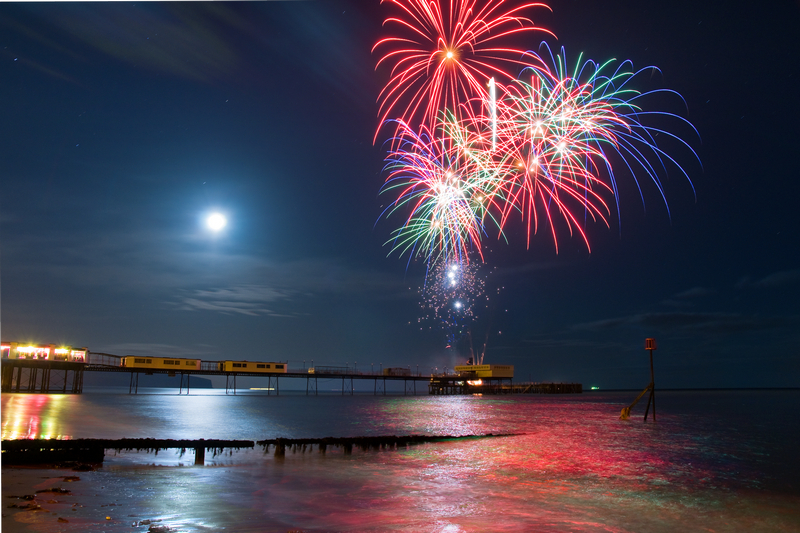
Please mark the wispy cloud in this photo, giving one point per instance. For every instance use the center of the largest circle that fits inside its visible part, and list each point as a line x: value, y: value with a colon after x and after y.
x: 706, y: 322
x: 182, y: 272
x: 568, y: 343
x: 778, y: 279
x: 694, y: 292
x: 290, y: 286
x: 339, y: 57
x: 246, y: 300
x: 169, y: 39
x: 685, y: 298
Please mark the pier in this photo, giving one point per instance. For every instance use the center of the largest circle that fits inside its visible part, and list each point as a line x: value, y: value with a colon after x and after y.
x: 46, y: 376
x: 43, y: 376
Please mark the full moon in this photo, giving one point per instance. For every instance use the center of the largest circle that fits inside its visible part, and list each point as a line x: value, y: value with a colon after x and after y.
x: 216, y: 222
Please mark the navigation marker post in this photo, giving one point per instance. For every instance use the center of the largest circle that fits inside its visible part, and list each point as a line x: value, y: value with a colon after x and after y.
x: 649, y: 344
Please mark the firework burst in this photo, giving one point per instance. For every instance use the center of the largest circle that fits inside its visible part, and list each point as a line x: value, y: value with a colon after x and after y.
x: 443, y: 191
x: 504, y: 136
x: 443, y: 58
x: 563, y: 133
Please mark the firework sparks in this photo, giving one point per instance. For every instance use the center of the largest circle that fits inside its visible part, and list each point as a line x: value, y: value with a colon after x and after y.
x: 450, y: 296
x: 444, y: 58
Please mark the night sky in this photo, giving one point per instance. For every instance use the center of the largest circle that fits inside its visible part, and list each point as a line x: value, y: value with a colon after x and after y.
x: 125, y: 124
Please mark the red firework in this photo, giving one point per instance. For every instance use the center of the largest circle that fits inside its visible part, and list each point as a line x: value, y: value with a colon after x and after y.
x: 442, y: 59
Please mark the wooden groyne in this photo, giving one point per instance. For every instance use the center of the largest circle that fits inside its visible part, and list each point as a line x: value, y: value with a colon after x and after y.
x: 53, y: 451
x: 391, y: 442
x: 92, y: 451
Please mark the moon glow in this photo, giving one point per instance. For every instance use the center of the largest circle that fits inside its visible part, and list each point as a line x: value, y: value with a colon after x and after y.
x: 216, y: 222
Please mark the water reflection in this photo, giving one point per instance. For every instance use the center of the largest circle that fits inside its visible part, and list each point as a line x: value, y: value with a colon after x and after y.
x: 570, y: 465
x: 33, y: 416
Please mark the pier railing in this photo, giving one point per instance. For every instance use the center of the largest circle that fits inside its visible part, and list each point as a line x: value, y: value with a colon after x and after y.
x: 103, y: 359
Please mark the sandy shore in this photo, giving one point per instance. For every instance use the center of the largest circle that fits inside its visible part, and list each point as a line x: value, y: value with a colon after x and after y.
x: 144, y: 492
x: 64, y: 500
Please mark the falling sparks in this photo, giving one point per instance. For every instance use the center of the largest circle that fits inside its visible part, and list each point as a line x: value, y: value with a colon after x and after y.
x: 451, y: 296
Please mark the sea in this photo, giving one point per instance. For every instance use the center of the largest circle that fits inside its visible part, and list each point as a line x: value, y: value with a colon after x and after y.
x: 711, y: 461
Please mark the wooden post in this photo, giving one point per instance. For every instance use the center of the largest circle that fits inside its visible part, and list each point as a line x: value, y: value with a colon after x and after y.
x: 200, y: 455
x: 650, y: 344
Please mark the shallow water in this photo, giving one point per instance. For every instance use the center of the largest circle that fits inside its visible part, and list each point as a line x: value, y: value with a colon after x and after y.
x: 714, y: 461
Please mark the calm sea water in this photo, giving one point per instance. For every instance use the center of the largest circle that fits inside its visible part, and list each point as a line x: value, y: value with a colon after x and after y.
x: 715, y: 461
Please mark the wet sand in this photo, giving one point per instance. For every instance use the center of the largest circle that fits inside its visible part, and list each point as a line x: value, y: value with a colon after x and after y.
x: 49, y: 499
x: 140, y: 492
x: 63, y: 500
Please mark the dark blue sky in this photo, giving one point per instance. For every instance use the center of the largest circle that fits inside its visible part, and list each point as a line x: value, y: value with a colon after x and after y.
x: 124, y: 124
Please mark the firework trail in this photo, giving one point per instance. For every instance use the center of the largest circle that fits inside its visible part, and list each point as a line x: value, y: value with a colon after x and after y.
x: 442, y: 58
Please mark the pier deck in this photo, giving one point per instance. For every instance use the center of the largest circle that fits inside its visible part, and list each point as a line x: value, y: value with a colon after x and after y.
x: 44, y: 376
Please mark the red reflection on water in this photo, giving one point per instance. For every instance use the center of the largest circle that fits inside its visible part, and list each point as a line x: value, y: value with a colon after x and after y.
x: 33, y: 416
x: 556, y: 438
